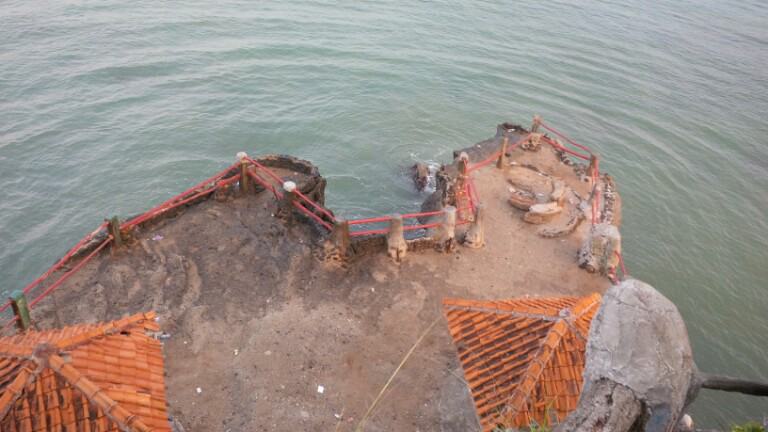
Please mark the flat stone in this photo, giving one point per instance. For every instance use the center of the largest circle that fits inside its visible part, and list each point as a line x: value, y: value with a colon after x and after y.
x: 542, y: 213
x: 521, y: 202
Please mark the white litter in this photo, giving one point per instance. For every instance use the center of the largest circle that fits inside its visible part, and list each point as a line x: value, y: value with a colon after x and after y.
x: 157, y: 237
x: 237, y: 351
x: 199, y: 390
x: 320, y: 389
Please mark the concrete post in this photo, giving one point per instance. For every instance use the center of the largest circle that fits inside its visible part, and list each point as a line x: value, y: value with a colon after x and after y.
x: 340, y: 235
x: 289, y: 198
x: 113, y: 228
x: 244, y: 177
x: 475, y: 237
x: 445, y: 238
x: 20, y: 309
x: 536, y: 124
x: 503, y: 156
x: 534, y: 142
x: 396, y: 245
x: 594, y: 161
x: 461, y: 179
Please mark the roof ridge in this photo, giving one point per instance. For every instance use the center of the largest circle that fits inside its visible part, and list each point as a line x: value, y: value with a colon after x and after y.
x: 585, y: 304
x: 12, y: 392
x: 528, y: 379
x: 103, y: 329
x: 549, y: 313
x: 97, y: 396
x: 582, y: 308
x: 9, y: 348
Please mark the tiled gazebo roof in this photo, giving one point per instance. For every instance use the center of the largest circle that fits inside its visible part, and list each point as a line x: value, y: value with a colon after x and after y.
x: 93, y: 377
x: 523, y: 358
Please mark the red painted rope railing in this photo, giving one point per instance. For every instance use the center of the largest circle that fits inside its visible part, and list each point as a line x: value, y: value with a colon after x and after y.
x: 304, y: 209
x: 265, y: 184
x: 623, y: 267
x: 566, y: 138
x: 498, y: 153
x: 69, y: 273
x: 197, y: 195
x: 382, y: 231
x: 313, y: 204
x: 265, y: 169
x: 474, y: 189
x: 8, y: 324
x: 301, y: 195
x: 372, y: 220
x: 407, y: 228
x: 161, y: 208
x: 387, y: 218
x: 563, y: 148
x: 360, y: 233
x: 416, y: 215
x: 415, y: 227
x: 471, y: 201
x: 58, y: 264
x: 314, y: 216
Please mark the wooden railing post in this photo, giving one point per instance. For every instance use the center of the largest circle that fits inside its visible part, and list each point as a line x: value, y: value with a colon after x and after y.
x: 244, y: 178
x: 20, y: 309
x: 340, y: 235
x: 445, y: 238
x: 475, y: 237
x: 113, y: 228
x: 396, y: 245
x: 289, y: 198
x: 536, y: 124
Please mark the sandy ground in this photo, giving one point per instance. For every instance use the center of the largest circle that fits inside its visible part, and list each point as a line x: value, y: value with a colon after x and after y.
x: 258, y: 323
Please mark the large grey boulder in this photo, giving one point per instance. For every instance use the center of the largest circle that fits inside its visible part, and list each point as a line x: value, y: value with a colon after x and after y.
x: 638, y: 342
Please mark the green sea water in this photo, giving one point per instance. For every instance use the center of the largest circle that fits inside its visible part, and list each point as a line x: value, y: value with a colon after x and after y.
x: 107, y: 107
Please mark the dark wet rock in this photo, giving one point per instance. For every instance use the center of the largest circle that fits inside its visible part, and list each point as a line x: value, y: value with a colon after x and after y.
x: 420, y: 176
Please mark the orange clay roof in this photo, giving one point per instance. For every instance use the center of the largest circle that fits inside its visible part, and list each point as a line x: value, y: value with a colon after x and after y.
x: 93, y: 377
x: 523, y: 359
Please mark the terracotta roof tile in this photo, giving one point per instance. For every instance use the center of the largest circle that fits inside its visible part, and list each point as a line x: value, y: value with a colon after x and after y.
x: 523, y: 358
x: 105, y: 377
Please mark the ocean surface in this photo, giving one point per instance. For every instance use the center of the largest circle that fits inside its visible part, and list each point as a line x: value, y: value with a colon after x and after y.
x: 109, y: 107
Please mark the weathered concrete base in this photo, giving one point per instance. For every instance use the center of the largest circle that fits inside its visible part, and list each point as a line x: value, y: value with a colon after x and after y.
x: 445, y: 238
x: 606, y: 406
x: 396, y: 245
x: 599, y: 252
x: 475, y: 237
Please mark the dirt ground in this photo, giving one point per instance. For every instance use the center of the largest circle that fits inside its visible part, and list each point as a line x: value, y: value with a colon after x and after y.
x: 258, y: 323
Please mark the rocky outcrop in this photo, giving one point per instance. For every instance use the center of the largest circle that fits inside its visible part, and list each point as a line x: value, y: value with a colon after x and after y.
x: 638, y: 356
x: 420, y: 176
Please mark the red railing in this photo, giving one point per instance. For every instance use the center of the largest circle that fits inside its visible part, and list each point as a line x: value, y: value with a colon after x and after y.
x: 58, y: 264
x: 182, y: 198
x: 215, y: 182
x: 172, y: 203
x: 567, y: 139
x: 496, y: 155
x: 303, y: 197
